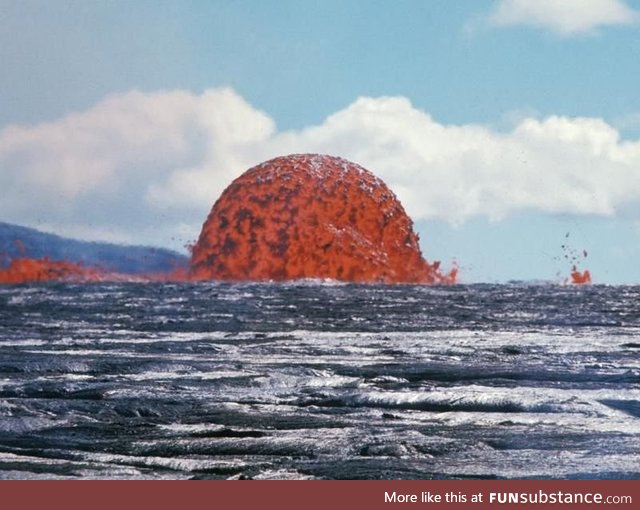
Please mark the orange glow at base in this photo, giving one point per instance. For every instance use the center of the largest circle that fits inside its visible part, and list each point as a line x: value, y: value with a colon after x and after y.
x: 31, y: 270
x: 311, y: 216
x: 25, y: 269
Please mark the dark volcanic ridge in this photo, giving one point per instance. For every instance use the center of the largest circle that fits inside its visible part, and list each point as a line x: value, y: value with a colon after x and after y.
x: 18, y: 242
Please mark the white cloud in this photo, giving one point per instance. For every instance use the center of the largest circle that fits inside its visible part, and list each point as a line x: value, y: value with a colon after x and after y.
x: 134, y: 159
x: 148, y: 167
x: 565, y: 17
x: 554, y: 165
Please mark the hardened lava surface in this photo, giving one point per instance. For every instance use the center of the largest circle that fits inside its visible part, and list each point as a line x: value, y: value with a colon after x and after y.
x: 310, y: 216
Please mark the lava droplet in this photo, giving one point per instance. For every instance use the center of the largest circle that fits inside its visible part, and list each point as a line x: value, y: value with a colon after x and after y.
x: 311, y: 216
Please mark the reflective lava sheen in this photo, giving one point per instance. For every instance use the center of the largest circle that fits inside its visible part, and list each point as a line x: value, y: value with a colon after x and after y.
x: 311, y: 216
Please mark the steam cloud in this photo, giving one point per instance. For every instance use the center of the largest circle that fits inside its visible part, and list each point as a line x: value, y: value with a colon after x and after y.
x: 146, y: 167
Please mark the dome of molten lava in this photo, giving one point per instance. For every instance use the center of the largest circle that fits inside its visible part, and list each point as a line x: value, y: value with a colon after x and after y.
x: 310, y: 216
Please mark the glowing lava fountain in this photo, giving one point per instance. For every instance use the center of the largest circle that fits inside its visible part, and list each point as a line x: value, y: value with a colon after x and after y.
x: 311, y: 216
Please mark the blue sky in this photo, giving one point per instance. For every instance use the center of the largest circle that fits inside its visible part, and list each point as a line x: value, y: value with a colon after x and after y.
x: 501, y: 125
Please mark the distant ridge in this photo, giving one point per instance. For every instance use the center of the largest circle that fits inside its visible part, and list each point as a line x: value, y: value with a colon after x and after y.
x: 18, y: 241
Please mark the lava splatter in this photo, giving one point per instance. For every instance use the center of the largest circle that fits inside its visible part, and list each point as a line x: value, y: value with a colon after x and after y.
x: 575, y: 257
x: 580, y: 277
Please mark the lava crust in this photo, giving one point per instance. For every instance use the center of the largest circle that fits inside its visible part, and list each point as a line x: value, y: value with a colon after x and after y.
x: 310, y: 216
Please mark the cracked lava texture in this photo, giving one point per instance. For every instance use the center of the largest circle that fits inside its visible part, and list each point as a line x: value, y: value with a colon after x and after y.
x: 311, y: 216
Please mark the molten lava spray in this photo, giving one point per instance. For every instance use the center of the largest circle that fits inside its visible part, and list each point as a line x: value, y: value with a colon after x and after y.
x: 578, y: 277
x: 311, y: 216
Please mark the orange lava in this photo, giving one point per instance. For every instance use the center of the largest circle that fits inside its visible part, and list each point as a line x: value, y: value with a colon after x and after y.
x: 25, y: 269
x: 311, y: 216
x: 580, y: 277
x: 31, y: 270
